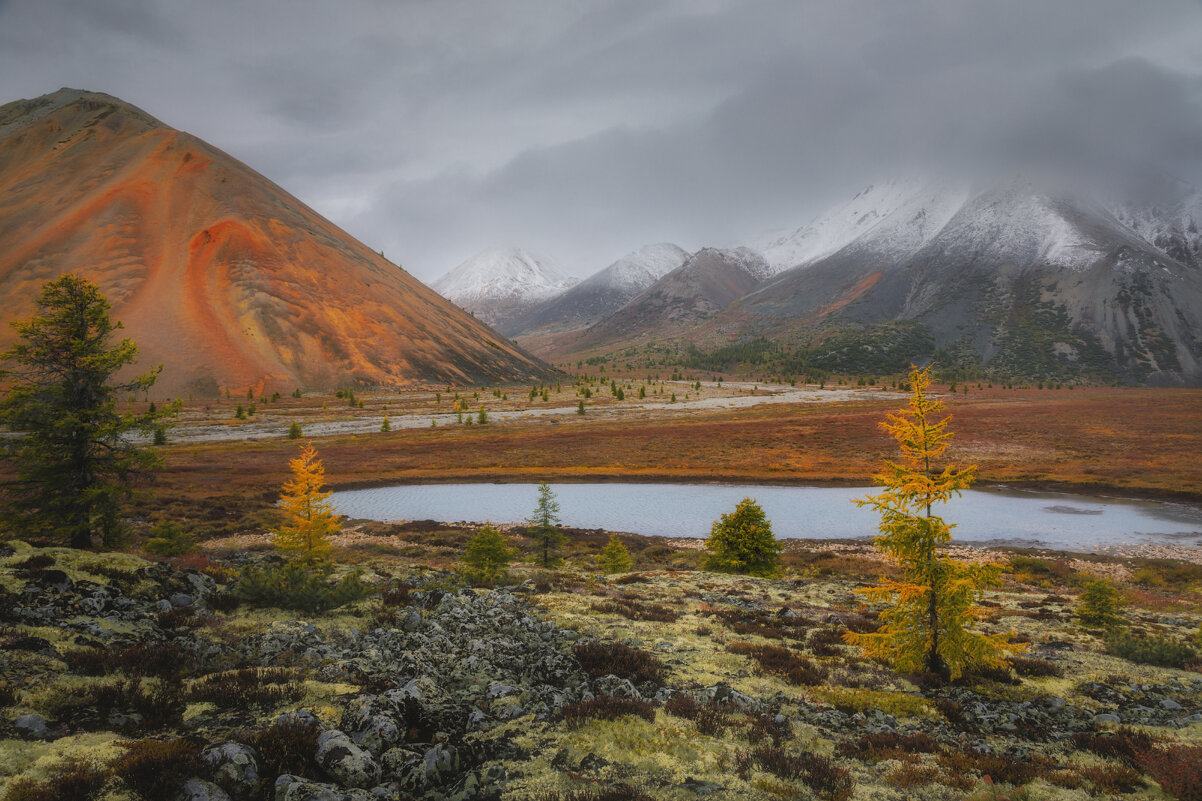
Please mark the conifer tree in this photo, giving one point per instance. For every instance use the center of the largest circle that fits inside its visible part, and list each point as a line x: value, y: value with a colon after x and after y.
x: 742, y: 542
x: 385, y: 426
x: 75, y: 461
x: 309, y: 519
x: 543, y: 525
x: 927, y: 625
x: 487, y: 556
x: 614, y: 556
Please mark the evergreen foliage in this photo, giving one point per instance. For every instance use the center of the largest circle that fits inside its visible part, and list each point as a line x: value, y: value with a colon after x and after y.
x: 543, y: 526
x: 168, y: 539
x: 926, y: 627
x: 293, y: 586
x: 614, y: 556
x: 294, y: 431
x: 75, y: 462
x: 1100, y: 605
x: 309, y: 519
x: 385, y: 426
x: 487, y: 557
x: 742, y: 542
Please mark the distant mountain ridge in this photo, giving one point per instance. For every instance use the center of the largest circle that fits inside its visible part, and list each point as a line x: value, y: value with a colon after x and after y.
x: 216, y: 272
x: 599, y: 295
x: 1018, y: 277
x: 502, y: 281
x: 709, y: 281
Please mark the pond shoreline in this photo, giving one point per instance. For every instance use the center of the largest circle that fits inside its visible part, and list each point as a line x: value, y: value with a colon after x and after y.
x: 1100, y: 490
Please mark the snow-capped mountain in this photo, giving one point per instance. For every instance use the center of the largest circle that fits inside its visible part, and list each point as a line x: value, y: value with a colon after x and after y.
x: 501, y: 282
x: 896, y: 215
x: 1033, y: 279
x: 600, y: 294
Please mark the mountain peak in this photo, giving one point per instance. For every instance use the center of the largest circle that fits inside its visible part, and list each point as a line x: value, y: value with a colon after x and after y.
x: 215, y: 271
x: 501, y: 281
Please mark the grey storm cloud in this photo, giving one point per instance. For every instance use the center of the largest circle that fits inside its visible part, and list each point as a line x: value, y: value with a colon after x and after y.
x: 583, y: 130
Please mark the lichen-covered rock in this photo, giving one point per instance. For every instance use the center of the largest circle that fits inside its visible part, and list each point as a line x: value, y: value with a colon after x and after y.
x: 235, y: 766
x: 31, y: 726
x: 201, y: 790
x: 345, y: 762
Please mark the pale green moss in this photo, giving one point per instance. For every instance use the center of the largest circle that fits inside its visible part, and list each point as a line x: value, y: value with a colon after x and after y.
x: 38, y: 759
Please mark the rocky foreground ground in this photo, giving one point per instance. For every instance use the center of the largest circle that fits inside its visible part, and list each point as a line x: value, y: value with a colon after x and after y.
x: 126, y: 678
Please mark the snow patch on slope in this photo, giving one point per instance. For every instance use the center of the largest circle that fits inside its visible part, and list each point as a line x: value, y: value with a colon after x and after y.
x: 837, y: 228
x: 504, y: 273
x: 642, y: 268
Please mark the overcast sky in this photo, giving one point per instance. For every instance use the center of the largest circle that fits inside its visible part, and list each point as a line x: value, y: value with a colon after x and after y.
x: 431, y: 129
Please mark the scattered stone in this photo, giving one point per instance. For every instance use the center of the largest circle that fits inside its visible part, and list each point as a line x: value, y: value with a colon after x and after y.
x: 32, y: 727
x: 235, y: 766
x: 345, y: 762
x: 200, y: 790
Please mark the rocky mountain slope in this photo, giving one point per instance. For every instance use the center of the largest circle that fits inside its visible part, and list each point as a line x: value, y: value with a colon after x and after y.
x: 695, y: 291
x: 216, y: 272
x: 500, y: 283
x: 601, y: 294
x: 1017, y: 277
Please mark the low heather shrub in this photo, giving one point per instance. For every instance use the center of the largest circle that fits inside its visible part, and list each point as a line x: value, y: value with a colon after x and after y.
x: 819, y: 773
x: 599, y: 659
x: 607, y: 707
x: 633, y: 610
x: 157, y: 768
x: 781, y: 662
x: 247, y: 687
x: 1177, y: 769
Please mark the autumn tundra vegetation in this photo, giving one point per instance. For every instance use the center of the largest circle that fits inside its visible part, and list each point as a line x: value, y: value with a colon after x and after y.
x: 148, y: 656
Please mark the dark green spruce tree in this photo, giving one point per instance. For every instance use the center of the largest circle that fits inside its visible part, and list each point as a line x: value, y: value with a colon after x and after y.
x: 543, y: 526
x: 75, y: 460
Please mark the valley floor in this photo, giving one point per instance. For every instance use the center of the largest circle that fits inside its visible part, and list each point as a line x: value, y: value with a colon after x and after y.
x: 1135, y: 442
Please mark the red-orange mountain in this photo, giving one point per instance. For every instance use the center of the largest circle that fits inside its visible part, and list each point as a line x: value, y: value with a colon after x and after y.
x: 216, y: 272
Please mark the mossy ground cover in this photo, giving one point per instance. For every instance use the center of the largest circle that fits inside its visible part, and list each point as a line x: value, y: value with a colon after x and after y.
x: 725, y: 717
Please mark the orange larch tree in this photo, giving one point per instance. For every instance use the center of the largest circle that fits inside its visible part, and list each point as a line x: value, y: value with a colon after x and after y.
x: 309, y: 518
x: 926, y: 626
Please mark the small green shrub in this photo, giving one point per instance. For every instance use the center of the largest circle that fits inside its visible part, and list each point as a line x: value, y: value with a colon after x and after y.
x: 742, y: 542
x: 615, y: 558
x: 295, y: 431
x: 1150, y: 650
x: 292, y: 586
x: 168, y: 539
x: 487, y: 557
x: 1099, y: 606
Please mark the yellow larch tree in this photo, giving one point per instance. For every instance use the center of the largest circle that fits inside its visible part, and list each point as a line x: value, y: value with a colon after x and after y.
x: 927, y: 623
x: 309, y: 519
